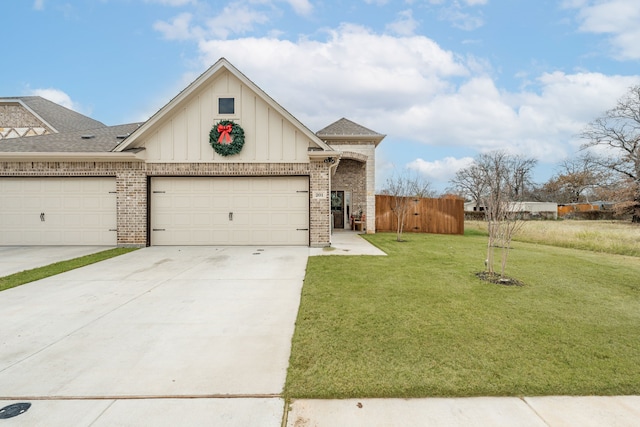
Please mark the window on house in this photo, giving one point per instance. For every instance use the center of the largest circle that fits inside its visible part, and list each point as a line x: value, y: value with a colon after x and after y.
x: 226, y: 106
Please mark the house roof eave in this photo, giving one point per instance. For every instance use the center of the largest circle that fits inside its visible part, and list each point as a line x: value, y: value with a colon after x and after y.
x: 127, y: 156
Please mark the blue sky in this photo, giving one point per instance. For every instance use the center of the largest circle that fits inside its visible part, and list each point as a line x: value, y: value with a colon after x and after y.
x: 443, y: 79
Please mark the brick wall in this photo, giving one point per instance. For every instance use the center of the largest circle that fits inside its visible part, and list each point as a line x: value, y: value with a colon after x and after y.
x: 351, y: 177
x: 363, y: 154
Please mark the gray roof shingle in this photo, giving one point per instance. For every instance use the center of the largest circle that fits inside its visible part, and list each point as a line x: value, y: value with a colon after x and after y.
x: 61, y: 118
x: 101, y: 139
x: 345, y: 127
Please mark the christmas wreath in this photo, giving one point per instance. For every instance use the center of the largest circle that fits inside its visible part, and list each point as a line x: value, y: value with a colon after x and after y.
x: 226, y: 138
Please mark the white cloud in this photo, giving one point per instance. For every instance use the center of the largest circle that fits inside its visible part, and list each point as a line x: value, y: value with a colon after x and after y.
x: 57, y: 96
x: 461, y: 20
x: 38, y: 5
x: 179, y: 28
x: 404, y: 25
x: 235, y: 19
x: 346, y: 73
x: 440, y: 170
x: 301, y: 7
x: 617, y: 18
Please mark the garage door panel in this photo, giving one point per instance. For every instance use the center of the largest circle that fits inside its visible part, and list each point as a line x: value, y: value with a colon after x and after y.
x: 240, y: 185
x: 262, y: 209
x: 220, y: 202
x: 77, y: 211
x: 241, y: 202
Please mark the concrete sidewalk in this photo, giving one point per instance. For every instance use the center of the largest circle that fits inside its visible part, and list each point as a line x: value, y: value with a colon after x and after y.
x: 551, y: 411
x: 347, y: 243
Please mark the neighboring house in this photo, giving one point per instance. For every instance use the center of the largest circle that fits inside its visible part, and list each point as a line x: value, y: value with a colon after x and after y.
x: 162, y: 183
x: 32, y: 115
x: 532, y: 209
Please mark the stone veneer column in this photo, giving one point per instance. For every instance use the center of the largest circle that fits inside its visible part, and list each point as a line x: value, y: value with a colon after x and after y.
x: 319, y: 204
x: 131, y: 187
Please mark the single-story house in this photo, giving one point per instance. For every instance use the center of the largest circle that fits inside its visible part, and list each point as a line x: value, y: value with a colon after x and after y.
x: 531, y: 209
x: 221, y: 163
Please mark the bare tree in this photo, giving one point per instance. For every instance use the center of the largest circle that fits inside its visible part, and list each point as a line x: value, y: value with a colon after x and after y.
x: 470, y: 182
x: 520, y: 170
x: 617, y: 133
x: 577, y: 179
x: 405, y: 187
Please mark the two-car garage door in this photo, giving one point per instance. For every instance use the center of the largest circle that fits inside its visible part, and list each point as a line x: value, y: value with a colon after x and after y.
x: 229, y: 211
x: 58, y: 211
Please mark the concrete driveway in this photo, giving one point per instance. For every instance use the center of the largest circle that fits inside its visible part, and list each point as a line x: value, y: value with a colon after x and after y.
x: 14, y: 259
x: 159, y: 336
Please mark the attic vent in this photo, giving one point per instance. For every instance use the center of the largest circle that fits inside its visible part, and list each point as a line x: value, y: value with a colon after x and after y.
x: 88, y: 136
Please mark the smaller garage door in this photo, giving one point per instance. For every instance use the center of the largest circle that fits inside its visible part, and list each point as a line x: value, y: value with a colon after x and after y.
x: 230, y: 211
x: 58, y: 211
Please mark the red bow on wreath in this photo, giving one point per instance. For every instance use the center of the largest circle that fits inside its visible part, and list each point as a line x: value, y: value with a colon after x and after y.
x: 224, y: 131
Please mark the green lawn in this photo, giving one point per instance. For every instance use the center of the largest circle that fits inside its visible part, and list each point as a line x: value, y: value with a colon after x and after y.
x: 419, y: 323
x: 27, y: 276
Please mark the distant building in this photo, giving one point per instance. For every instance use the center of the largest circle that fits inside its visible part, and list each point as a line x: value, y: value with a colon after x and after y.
x: 546, y: 210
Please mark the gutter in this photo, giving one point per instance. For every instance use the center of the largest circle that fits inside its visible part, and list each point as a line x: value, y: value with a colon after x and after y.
x: 73, y: 157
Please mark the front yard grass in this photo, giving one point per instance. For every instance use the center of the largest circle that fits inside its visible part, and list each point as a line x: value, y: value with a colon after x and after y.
x: 418, y: 323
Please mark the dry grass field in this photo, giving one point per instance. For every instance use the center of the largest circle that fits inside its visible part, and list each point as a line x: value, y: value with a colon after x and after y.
x: 614, y: 237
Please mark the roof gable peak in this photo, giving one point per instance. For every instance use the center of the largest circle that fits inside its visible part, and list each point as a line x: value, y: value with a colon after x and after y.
x: 346, y: 129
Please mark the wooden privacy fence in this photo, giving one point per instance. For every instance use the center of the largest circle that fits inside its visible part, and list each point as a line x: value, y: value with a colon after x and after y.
x: 438, y: 216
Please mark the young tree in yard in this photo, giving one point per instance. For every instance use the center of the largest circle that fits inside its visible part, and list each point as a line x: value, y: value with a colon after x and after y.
x: 505, y: 176
x: 617, y: 134
x: 405, y: 188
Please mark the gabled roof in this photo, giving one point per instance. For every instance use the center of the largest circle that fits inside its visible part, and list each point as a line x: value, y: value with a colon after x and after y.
x: 58, y: 118
x: 101, y: 139
x: 220, y: 66
x: 345, y: 129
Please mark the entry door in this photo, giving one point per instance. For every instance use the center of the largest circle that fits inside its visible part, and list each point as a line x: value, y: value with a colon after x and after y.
x: 337, y: 208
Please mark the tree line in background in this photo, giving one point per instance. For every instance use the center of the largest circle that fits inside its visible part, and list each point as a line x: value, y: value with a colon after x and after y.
x: 607, y: 168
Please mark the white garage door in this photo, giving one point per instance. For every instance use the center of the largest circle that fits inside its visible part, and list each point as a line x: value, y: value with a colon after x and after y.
x: 58, y: 211
x: 230, y: 211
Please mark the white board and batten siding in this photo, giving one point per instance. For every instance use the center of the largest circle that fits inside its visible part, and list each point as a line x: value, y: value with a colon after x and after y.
x: 230, y: 211
x: 183, y: 136
x: 58, y: 211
